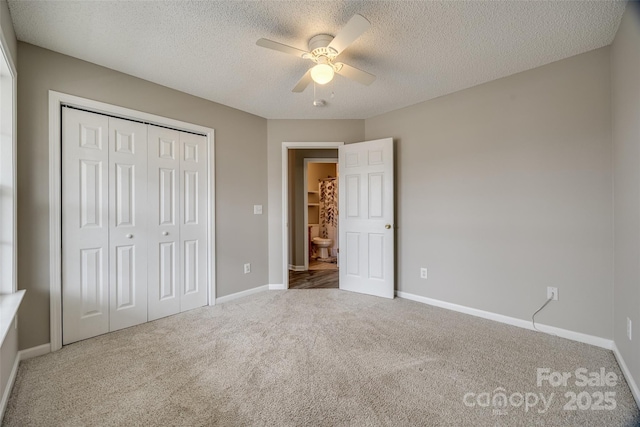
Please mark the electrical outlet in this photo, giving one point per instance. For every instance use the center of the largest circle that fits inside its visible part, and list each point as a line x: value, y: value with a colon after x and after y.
x: 247, y: 268
x: 423, y: 273
x: 257, y: 209
x: 629, y: 324
x: 552, y: 293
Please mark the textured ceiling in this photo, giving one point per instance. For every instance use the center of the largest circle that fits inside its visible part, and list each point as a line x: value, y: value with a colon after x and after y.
x: 418, y: 50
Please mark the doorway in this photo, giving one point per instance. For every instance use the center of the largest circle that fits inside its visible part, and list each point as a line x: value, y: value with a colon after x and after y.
x: 301, y: 215
x: 320, y: 210
x: 319, y: 230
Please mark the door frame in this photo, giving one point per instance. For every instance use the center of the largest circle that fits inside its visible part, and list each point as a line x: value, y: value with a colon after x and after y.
x: 286, y: 146
x: 306, y: 201
x: 56, y: 101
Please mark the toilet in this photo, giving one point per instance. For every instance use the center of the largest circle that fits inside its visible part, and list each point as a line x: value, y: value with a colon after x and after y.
x: 322, y: 245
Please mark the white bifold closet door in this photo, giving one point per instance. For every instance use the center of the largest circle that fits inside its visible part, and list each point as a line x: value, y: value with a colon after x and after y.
x: 85, y: 225
x: 193, y: 220
x: 134, y: 220
x: 178, y: 223
x: 128, y: 212
x: 104, y: 237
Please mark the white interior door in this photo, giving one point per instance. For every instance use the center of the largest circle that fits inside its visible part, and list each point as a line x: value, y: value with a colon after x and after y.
x: 164, y: 222
x: 85, y: 225
x: 193, y: 220
x: 127, y: 219
x: 366, y: 217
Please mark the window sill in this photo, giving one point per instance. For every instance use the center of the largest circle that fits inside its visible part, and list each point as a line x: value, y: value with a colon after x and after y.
x: 9, y: 304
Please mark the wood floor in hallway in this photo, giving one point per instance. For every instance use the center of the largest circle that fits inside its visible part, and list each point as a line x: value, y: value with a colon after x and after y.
x: 315, y: 278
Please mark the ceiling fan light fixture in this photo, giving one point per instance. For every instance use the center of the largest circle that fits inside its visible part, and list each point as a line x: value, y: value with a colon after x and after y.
x: 324, y: 50
x: 322, y: 73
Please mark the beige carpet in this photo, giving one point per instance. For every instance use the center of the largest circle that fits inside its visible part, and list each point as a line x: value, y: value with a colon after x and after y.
x: 310, y: 358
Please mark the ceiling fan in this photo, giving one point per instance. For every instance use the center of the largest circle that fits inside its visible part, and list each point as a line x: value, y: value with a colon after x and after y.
x: 323, y: 50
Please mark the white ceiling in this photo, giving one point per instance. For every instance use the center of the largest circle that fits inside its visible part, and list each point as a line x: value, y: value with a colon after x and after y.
x: 418, y: 50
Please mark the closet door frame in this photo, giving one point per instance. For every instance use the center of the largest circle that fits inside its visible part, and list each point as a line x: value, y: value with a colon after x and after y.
x: 56, y: 102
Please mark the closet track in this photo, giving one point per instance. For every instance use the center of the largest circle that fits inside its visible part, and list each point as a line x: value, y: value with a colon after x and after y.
x: 130, y: 119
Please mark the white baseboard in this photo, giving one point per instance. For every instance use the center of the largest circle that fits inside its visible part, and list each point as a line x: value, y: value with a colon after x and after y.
x: 21, y: 355
x: 277, y: 287
x: 242, y: 294
x: 34, y: 351
x: 564, y: 333
x: 296, y: 267
x: 627, y: 375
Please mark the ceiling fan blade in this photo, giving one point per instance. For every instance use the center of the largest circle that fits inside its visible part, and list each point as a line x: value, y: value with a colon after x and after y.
x: 269, y: 44
x: 303, y: 82
x: 357, y: 25
x: 355, y: 74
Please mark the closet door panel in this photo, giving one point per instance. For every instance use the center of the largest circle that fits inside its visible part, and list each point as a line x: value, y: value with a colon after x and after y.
x: 85, y: 225
x: 128, y: 224
x: 164, y: 269
x: 193, y: 220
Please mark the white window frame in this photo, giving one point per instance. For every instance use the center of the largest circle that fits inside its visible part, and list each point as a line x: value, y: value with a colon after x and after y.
x: 8, y: 193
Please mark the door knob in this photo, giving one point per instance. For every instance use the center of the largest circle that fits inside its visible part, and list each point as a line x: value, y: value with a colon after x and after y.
x: 165, y: 233
x: 388, y: 226
x: 129, y: 236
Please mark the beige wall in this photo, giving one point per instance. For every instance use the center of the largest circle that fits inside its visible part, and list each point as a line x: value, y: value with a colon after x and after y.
x: 318, y: 171
x: 625, y: 88
x: 504, y: 189
x: 241, y: 172
x: 279, y: 131
x: 296, y: 200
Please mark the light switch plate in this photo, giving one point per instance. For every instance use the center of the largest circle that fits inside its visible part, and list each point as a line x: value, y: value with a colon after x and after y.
x: 257, y: 209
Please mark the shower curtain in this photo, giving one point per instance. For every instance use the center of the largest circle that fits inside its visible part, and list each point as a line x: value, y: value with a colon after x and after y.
x: 329, y: 213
